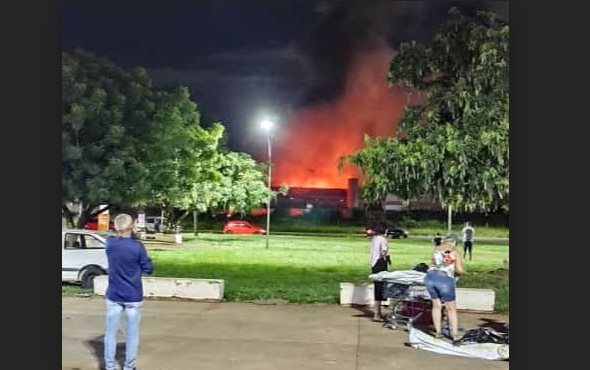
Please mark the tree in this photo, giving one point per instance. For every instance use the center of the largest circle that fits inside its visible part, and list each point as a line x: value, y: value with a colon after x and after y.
x: 182, y: 152
x: 123, y: 142
x: 104, y: 111
x: 238, y: 186
x: 454, y: 145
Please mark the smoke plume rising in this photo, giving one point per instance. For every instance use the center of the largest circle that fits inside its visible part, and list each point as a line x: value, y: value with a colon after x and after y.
x: 348, y: 56
x: 308, y: 153
x: 349, y: 96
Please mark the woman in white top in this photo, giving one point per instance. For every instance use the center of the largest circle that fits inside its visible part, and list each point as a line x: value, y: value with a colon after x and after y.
x: 378, y: 262
x: 440, y: 282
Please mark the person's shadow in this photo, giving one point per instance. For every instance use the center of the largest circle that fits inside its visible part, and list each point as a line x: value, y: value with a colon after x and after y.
x: 96, y: 344
x: 364, y: 311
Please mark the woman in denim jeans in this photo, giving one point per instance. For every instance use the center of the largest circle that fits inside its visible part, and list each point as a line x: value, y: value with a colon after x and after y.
x: 440, y: 282
x: 127, y: 259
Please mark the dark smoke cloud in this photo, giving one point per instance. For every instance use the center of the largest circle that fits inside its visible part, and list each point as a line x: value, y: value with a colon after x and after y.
x: 350, y: 27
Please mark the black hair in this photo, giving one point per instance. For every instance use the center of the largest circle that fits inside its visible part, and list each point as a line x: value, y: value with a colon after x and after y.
x: 380, y: 228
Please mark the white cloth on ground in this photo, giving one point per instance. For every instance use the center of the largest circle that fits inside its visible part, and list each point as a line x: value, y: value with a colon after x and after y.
x: 488, y: 351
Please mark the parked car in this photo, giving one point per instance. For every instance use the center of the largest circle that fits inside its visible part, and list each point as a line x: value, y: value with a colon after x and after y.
x: 155, y: 224
x: 393, y: 233
x: 83, y: 256
x: 242, y: 227
x: 93, y: 225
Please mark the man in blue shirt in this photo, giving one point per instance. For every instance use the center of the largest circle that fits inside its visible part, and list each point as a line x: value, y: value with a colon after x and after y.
x: 127, y: 259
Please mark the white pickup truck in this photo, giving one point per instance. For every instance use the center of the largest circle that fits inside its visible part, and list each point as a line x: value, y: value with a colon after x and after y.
x: 83, y: 256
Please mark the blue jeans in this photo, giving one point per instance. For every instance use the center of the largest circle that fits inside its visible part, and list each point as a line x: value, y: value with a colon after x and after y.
x: 440, y: 286
x: 133, y: 311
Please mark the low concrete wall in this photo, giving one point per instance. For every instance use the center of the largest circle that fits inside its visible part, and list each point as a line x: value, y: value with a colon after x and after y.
x: 476, y: 299
x: 467, y: 298
x: 162, y: 238
x: 198, y: 289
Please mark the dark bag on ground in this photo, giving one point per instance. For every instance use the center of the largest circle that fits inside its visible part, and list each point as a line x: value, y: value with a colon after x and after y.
x: 485, y: 335
x: 422, y: 267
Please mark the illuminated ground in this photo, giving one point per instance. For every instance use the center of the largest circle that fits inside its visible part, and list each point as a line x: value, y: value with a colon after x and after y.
x: 189, y: 336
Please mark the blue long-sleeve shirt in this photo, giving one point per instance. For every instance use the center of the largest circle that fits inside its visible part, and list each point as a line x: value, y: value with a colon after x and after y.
x: 127, y: 260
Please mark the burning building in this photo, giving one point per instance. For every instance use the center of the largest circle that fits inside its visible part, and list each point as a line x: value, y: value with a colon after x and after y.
x: 300, y: 201
x: 355, y: 100
x: 315, y: 138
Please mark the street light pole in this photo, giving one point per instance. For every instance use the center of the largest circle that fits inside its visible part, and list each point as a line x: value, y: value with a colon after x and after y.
x: 269, y: 187
x: 450, y: 219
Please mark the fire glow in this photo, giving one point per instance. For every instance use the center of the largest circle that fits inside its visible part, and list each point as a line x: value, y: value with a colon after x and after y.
x: 315, y: 138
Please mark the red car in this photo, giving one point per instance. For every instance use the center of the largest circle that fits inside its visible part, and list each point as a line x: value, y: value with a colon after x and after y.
x: 93, y: 225
x: 242, y: 227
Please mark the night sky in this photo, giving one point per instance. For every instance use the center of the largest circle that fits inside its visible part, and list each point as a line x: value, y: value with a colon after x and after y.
x: 243, y: 60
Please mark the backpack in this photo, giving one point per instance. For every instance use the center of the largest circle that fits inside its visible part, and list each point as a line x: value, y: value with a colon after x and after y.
x: 422, y: 267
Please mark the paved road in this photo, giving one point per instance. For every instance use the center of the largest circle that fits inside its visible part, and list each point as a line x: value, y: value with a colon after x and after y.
x: 191, y: 336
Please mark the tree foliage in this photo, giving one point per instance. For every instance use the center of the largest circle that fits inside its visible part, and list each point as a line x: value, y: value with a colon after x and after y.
x: 127, y: 143
x: 454, y: 145
x: 104, y: 115
x: 238, y: 186
x: 181, y: 152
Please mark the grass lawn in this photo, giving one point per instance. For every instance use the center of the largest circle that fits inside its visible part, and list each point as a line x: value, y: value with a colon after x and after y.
x: 422, y: 228
x: 306, y: 269
x: 416, y: 228
x: 426, y: 228
x: 431, y: 228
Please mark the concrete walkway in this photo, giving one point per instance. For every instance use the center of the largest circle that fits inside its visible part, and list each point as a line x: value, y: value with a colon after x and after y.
x: 190, y: 336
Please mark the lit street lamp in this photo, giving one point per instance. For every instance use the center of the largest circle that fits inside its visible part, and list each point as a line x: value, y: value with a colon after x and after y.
x: 267, y: 126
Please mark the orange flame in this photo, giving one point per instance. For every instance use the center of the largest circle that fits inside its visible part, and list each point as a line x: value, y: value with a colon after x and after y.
x: 308, y: 153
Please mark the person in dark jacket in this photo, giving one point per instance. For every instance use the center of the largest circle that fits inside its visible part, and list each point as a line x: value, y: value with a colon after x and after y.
x: 437, y: 240
x: 127, y: 259
x: 468, y: 233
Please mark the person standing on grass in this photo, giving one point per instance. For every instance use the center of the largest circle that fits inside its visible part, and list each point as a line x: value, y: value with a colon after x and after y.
x: 468, y: 233
x: 437, y: 240
x: 127, y: 260
x: 378, y: 259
